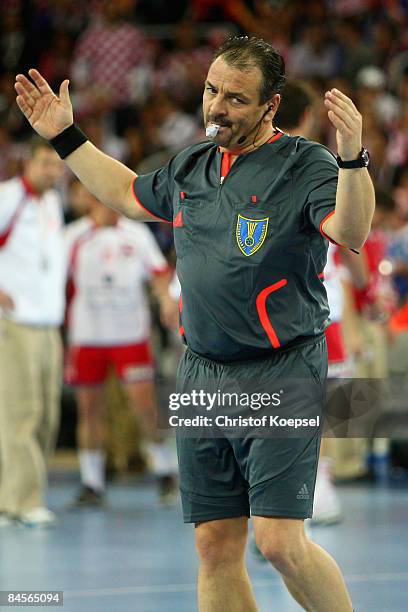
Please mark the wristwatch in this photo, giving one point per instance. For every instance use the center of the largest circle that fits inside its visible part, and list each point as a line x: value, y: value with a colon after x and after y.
x: 362, y: 161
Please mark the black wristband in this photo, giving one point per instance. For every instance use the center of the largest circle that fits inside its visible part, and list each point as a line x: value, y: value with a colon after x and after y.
x: 68, y: 141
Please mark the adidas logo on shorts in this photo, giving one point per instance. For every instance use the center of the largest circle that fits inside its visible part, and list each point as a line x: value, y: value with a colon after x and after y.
x: 303, y: 493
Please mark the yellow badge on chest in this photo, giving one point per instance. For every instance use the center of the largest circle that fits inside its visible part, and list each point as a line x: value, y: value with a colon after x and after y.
x: 251, y: 234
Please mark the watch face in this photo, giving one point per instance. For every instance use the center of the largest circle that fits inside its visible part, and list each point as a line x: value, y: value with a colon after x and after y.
x: 365, y: 157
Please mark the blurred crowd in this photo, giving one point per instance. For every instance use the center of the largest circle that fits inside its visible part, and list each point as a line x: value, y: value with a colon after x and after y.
x: 136, y: 70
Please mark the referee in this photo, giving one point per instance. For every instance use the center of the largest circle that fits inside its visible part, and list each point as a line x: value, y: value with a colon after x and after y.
x: 252, y: 210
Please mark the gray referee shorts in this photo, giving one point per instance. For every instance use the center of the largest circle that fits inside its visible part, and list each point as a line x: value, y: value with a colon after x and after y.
x: 224, y: 476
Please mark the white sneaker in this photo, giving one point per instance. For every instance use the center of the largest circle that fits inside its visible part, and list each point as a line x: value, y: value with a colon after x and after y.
x: 330, y: 516
x: 37, y: 517
x: 326, y: 505
x: 5, y: 520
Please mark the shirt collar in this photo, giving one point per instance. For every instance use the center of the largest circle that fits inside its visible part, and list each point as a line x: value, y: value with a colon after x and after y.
x: 29, y: 188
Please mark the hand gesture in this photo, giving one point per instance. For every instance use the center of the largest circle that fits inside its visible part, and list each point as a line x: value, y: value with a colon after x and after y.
x: 348, y: 123
x: 47, y: 113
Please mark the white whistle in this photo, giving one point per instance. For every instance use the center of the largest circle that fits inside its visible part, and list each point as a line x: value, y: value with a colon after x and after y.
x: 212, y: 130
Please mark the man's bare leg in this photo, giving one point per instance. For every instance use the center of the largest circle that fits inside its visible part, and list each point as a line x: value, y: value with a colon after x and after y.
x: 91, y: 422
x: 91, y: 433
x: 223, y: 581
x: 310, y: 573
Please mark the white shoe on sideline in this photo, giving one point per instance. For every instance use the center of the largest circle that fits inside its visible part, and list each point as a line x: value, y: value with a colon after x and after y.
x: 328, y: 516
x: 6, y: 520
x: 326, y: 504
x: 37, y: 517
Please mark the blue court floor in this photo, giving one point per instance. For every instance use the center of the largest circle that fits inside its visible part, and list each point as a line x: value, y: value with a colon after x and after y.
x: 136, y: 557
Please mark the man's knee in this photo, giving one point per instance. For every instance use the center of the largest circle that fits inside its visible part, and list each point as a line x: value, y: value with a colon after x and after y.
x: 284, y: 549
x: 222, y: 541
x: 90, y: 412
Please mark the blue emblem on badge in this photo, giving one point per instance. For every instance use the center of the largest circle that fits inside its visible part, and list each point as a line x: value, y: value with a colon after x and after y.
x: 251, y: 234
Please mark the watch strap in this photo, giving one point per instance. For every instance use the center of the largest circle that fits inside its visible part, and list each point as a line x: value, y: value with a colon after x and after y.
x: 360, y: 162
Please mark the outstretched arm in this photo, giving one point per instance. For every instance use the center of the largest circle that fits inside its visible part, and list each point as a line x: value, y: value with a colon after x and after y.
x: 49, y: 115
x: 355, y: 198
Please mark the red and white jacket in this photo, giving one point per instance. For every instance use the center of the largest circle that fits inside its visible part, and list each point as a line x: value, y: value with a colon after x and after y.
x: 31, y: 253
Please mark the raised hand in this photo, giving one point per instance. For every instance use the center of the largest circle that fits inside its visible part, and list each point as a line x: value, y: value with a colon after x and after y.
x: 47, y: 113
x: 347, y: 121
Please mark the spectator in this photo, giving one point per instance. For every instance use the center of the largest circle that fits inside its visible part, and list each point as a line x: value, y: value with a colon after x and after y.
x: 401, y: 193
x: 182, y: 71
x: 77, y: 202
x: 55, y: 60
x: 107, y: 53
x: 376, y: 301
x: 135, y: 146
x: 314, y: 55
x: 386, y: 42
x: 376, y: 138
x: 175, y: 128
x: 8, y: 111
x: 355, y: 52
x: 102, y: 131
x: 277, y: 20
x: 398, y: 252
x: 32, y: 304
x: 397, y: 147
x: 161, y: 11
x: 12, y: 40
x: 167, y: 126
x: 374, y: 98
x: 11, y: 155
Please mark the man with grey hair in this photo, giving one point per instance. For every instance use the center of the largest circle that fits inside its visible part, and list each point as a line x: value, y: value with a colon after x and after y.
x: 31, y: 311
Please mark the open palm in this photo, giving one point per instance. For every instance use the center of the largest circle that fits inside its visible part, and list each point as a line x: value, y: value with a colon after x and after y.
x: 47, y: 113
x: 347, y: 121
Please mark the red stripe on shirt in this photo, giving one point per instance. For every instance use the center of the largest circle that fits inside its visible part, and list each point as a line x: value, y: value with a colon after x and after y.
x: 262, y: 312
x: 28, y: 191
x: 275, y: 137
x: 322, y: 222
x: 226, y: 164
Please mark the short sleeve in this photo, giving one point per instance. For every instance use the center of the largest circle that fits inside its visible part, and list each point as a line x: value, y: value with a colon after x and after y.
x: 153, y: 193
x: 318, y: 186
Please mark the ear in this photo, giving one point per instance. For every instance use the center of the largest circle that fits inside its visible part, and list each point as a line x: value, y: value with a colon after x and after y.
x: 272, y: 107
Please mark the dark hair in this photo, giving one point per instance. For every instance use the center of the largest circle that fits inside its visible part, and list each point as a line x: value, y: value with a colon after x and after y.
x: 243, y: 52
x: 35, y: 143
x: 296, y: 98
